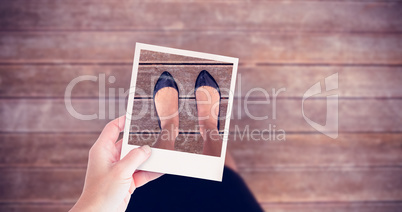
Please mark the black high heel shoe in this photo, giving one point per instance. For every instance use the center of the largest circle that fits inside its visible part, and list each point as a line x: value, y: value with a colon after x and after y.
x: 206, y: 79
x: 165, y: 80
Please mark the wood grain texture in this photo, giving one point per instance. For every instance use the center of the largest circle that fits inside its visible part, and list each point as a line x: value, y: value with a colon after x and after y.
x: 46, y: 149
x: 353, y: 81
x: 317, y: 150
x: 41, y: 185
x: 52, y: 80
x: 281, y: 44
x: 250, y: 47
x: 49, y: 116
x: 147, y: 57
x: 53, y: 116
x: 298, y: 151
x: 333, y: 207
x: 281, y: 207
x: 335, y: 16
x: 38, y: 115
x: 324, y: 185
x: 191, y: 143
x: 32, y: 207
x: 352, y: 117
x: 316, y: 185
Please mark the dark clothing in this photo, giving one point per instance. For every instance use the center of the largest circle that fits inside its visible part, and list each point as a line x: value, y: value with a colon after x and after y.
x: 177, y: 193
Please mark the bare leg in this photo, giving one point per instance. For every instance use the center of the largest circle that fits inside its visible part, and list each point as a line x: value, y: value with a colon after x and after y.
x: 213, y: 146
x: 212, y: 141
x: 166, y: 103
x: 208, y: 110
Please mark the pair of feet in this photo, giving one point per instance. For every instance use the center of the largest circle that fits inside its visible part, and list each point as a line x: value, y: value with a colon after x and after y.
x: 207, y: 96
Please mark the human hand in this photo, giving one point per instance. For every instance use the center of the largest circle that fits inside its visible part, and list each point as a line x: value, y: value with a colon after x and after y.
x: 109, y: 181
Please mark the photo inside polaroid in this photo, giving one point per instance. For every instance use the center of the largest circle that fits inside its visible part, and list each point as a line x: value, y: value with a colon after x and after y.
x: 180, y: 105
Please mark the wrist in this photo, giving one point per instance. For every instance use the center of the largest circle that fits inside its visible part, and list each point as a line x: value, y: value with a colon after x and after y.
x: 85, y: 203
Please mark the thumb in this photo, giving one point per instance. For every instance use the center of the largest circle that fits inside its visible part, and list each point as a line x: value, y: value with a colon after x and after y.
x: 132, y: 161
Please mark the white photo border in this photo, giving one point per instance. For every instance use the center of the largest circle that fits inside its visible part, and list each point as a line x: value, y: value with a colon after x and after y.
x: 175, y: 162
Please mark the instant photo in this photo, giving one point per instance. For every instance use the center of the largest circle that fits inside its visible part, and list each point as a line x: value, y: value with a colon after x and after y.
x: 180, y: 104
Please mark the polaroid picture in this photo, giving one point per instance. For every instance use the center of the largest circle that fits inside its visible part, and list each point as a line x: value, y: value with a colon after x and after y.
x: 180, y: 104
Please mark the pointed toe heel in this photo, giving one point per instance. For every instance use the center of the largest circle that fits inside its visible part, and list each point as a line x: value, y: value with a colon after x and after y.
x: 206, y: 79
x: 164, y: 80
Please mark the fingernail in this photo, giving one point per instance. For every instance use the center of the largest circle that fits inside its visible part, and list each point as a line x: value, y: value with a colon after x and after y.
x: 146, y: 149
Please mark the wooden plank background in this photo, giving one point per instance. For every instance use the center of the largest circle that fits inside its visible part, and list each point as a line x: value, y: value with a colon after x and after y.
x: 281, y: 44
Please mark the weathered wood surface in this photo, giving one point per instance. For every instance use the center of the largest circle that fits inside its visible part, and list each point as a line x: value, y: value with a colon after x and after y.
x: 64, y: 150
x: 45, y: 149
x: 326, y: 184
x: 51, y: 115
x: 332, y: 16
x: 250, y: 47
x: 52, y: 80
x: 32, y: 207
x: 317, y: 150
x: 192, y: 143
x: 272, y: 207
x: 306, y: 185
x: 366, y: 115
x: 292, y: 45
x: 334, y: 207
x: 149, y: 57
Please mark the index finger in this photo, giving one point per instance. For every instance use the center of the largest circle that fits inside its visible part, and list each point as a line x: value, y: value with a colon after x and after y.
x: 111, y: 132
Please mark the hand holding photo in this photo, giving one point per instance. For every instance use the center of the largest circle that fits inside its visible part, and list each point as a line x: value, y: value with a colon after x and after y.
x: 180, y: 105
